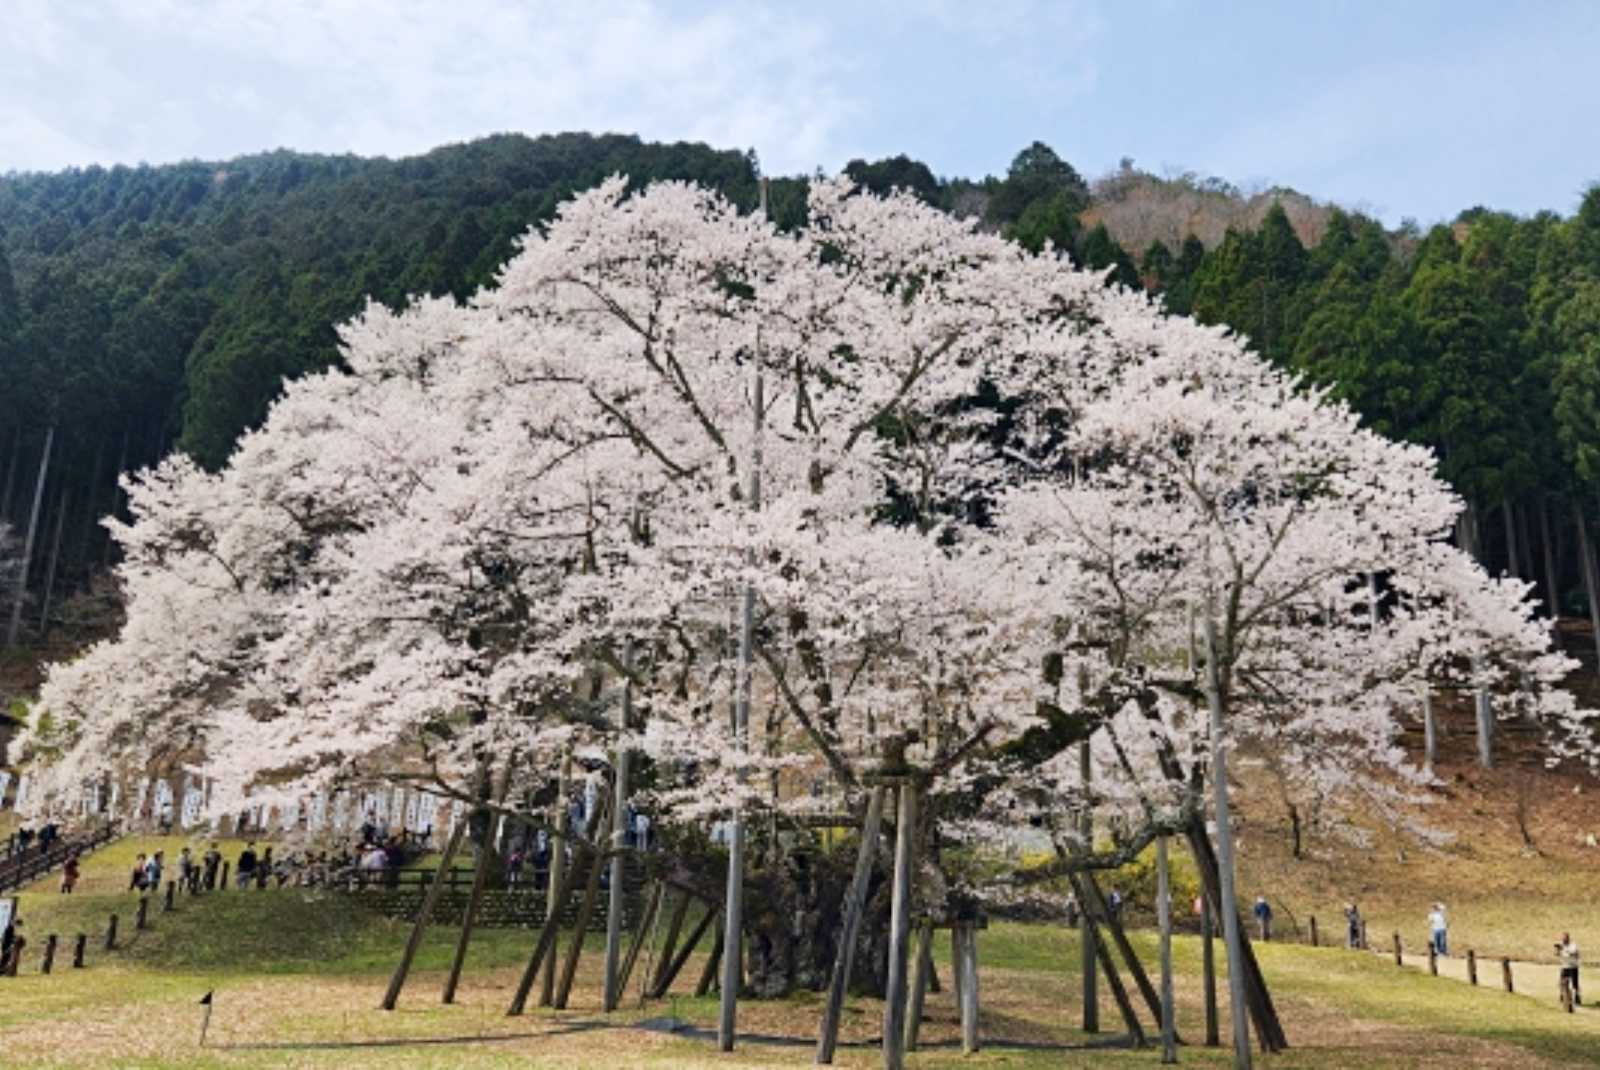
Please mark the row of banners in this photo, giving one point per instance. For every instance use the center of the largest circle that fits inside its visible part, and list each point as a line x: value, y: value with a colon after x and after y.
x: 387, y: 810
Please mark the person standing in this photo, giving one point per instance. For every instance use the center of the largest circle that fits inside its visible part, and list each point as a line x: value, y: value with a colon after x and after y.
x: 136, y: 879
x: 245, y: 871
x: 1352, y: 918
x: 152, y: 873
x: 186, y: 870
x: 1439, y: 927
x: 1263, y: 912
x: 213, y: 861
x: 1567, y: 952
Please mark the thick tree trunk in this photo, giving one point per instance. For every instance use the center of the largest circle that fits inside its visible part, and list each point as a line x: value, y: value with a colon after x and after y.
x: 1509, y: 515
x: 27, y: 544
x: 85, y: 537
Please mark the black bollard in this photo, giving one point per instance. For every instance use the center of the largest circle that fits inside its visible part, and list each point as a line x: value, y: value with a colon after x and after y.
x: 222, y: 885
x: 172, y: 889
x: 141, y: 921
x: 49, y: 953
x: 111, y: 934
x: 77, y: 950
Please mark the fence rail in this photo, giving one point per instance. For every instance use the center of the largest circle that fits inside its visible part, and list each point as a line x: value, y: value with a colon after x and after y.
x: 23, y: 867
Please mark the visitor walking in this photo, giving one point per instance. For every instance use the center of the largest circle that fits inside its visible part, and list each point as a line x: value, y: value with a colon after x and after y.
x: 1567, y: 952
x: 186, y: 870
x: 213, y: 861
x: 69, y: 875
x: 152, y: 872
x: 1114, y: 904
x: 1439, y: 927
x: 1263, y: 912
x: 1352, y: 918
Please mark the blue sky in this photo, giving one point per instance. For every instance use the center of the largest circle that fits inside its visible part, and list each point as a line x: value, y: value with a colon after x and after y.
x: 1399, y: 108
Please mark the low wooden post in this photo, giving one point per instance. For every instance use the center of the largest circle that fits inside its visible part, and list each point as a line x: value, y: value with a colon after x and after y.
x: 141, y: 920
x: 49, y: 953
x: 1505, y: 971
x: 1364, y: 945
x: 77, y: 951
x: 222, y: 884
x: 1472, y: 966
x: 1433, y: 959
x: 111, y: 934
x: 172, y: 890
x: 1398, y: 958
x: 1314, y: 931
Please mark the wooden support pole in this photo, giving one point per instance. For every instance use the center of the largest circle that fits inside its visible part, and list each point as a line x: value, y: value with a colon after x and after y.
x: 480, y: 881
x: 682, y: 957
x: 1472, y: 967
x: 222, y: 884
x: 1152, y: 999
x: 1314, y: 931
x: 670, y: 947
x: 919, y: 984
x: 855, y: 906
x: 1168, y: 1019
x: 49, y: 953
x: 894, y: 1000
x: 544, y: 950
x: 969, y: 989
x: 1505, y: 972
x: 431, y: 898
x: 141, y: 920
x: 591, y: 896
x: 713, y: 966
x: 77, y: 951
x: 555, y: 897
x: 612, y: 988
x: 1119, y: 992
x: 1398, y: 958
x: 172, y: 890
x: 1433, y: 959
x: 111, y: 933
x: 658, y: 891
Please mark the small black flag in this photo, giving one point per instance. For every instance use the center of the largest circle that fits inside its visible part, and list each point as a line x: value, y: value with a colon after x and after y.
x: 205, y: 1000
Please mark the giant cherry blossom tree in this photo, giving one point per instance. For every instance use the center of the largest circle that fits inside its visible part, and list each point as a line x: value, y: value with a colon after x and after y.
x: 975, y: 509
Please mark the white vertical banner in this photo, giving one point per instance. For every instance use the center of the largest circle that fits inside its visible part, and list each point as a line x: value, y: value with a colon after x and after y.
x: 163, y: 799
x: 414, y: 812
x: 22, y: 790
x: 397, y: 809
x: 5, y: 782
x: 144, y: 793
x: 428, y: 812
x: 455, y: 815
x: 193, y: 799
x: 289, y: 816
x: 116, y: 795
x: 341, y: 810
x: 317, y: 817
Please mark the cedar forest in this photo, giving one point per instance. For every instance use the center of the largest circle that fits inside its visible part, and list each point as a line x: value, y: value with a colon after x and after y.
x: 152, y: 308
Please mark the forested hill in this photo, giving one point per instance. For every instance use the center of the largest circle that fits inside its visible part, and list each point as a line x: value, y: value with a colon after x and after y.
x: 152, y: 307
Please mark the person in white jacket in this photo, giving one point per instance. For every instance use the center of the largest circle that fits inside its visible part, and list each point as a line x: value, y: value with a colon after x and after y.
x: 1439, y: 927
x: 1567, y: 952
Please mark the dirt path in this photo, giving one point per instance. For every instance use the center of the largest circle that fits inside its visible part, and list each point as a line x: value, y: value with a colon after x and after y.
x: 1540, y: 980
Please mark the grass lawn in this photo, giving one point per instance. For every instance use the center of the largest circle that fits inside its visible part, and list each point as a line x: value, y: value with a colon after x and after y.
x: 299, y: 974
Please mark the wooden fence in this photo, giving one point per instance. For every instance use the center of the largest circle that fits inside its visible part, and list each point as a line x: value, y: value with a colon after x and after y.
x: 24, y: 867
